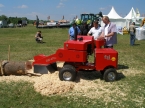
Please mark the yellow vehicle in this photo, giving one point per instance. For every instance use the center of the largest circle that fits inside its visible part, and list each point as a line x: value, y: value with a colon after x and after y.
x: 143, y: 22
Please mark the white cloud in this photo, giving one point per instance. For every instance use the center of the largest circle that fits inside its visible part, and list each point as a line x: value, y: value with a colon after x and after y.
x: 63, y: 0
x: 1, y: 5
x: 60, y: 5
x: 22, y: 6
x: 102, y: 8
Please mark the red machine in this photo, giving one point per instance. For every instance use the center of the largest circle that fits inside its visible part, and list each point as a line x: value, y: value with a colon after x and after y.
x: 75, y: 57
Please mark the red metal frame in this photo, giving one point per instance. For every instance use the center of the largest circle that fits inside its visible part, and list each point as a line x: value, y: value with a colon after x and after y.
x: 75, y: 52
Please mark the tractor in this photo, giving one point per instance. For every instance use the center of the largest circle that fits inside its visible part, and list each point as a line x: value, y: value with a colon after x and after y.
x: 75, y: 55
x: 88, y: 18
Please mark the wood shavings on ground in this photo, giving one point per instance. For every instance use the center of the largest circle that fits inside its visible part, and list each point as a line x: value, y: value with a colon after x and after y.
x: 87, y: 84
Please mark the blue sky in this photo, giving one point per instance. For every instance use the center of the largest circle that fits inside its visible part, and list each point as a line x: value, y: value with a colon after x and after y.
x: 69, y: 8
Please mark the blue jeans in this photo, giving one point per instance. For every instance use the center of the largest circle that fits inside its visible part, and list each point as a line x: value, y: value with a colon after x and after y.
x: 72, y: 38
x: 132, y: 38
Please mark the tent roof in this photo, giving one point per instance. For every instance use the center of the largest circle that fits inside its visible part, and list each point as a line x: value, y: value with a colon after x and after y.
x: 137, y: 13
x: 131, y: 14
x: 113, y: 14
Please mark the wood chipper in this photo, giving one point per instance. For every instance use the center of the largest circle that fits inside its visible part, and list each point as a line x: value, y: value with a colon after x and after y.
x: 75, y: 55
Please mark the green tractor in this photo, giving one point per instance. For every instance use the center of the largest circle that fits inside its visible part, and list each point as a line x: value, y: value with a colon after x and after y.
x: 86, y: 21
x: 88, y: 18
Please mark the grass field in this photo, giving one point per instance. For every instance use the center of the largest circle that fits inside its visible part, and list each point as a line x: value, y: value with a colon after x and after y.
x: 127, y: 92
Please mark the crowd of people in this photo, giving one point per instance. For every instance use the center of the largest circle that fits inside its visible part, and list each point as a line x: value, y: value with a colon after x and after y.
x: 108, y: 32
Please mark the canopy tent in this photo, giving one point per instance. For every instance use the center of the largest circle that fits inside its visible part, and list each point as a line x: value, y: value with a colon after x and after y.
x: 131, y: 14
x: 137, y: 13
x: 115, y: 18
x: 113, y: 14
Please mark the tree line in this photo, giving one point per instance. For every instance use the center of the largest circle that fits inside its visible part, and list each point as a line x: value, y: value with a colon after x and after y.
x: 15, y: 20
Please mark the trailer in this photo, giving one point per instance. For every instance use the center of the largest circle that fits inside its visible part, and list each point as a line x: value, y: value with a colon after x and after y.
x: 3, y: 24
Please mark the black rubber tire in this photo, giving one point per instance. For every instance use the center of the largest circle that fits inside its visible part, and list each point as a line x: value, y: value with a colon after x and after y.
x: 110, y: 75
x: 102, y: 72
x: 69, y: 71
x: 69, y: 66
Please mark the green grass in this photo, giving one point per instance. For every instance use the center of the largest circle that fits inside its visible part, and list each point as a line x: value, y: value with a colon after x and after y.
x: 22, y: 94
x: 22, y: 42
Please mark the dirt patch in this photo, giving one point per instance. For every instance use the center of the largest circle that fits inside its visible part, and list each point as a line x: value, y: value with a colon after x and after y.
x: 50, y: 84
x: 87, y: 84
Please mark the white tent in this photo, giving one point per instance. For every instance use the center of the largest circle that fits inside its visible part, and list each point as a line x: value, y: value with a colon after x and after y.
x: 113, y: 14
x: 115, y: 18
x: 131, y: 14
x: 137, y: 13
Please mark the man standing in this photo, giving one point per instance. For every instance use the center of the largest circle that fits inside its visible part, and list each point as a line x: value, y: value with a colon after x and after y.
x: 109, y: 33
x: 84, y: 29
x: 37, y: 21
x: 95, y: 31
x: 73, y: 31
x: 132, y: 33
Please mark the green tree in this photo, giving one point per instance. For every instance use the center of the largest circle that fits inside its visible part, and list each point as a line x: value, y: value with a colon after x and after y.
x: 3, y: 17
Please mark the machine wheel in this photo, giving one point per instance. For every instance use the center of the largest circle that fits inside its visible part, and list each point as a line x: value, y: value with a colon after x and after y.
x: 102, y: 72
x: 110, y: 75
x: 67, y: 74
x: 69, y: 66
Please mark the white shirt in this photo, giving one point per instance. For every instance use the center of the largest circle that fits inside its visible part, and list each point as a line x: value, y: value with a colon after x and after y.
x: 96, y: 32
x: 106, y: 29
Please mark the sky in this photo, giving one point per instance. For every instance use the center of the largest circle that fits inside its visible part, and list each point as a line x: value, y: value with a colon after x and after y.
x: 56, y: 9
